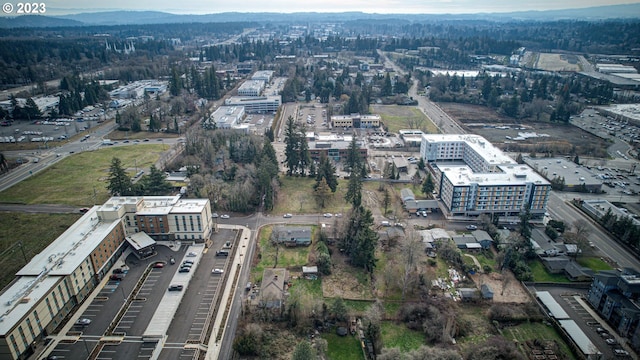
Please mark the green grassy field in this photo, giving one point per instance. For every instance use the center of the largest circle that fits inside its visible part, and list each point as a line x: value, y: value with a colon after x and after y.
x: 80, y: 179
x: 27, y: 228
x: 397, y: 117
x: 343, y: 347
x: 540, y: 273
x: 593, y: 263
x: 296, y: 197
x: 398, y: 336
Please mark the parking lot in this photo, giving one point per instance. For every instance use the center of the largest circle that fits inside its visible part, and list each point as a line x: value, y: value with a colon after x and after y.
x: 596, y: 329
x: 139, y: 289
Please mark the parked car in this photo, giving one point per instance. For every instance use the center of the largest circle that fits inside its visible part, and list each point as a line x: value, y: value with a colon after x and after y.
x: 184, y: 270
x: 217, y: 271
x: 83, y: 322
x: 192, y: 254
x: 158, y: 265
x: 116, y: 277
x: 611, y: 341
x: 175, y: 287
x: 214, y: 215
x: 472, y: 227
x: 188, y: 262
x: 224, y: 216
x: 83, y: 210
x: 118, y: 271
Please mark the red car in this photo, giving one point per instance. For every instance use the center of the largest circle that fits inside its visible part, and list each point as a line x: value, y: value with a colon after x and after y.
x: 158, y: 265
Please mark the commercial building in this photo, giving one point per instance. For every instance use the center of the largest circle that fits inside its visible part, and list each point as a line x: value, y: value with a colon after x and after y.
x: 260, y: 104
x: 576, y: 177
x: 263, y: 75
x: 226, y: 117
x: 473, y: 177
x: 356, y: 121
x: 251, y: 88
x: 54, y: 282
x: 335, y: 147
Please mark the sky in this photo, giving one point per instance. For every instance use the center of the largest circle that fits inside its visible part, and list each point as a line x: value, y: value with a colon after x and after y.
x: 57, y: 7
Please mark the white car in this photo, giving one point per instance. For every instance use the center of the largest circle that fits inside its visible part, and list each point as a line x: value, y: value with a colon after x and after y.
x: 328, y: 215
x: 83, y: 322
x: 287, y: 216
x: 224, y: 216
x: 214, y: 215
x: 217, y: 271
x: 472, y: 227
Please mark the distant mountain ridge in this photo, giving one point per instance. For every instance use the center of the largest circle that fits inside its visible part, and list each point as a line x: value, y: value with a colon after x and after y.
x: 627, y: 11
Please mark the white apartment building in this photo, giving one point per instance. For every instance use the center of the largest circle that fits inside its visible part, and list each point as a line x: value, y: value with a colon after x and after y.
x: 473, y: 177
x: 252, y: 104
x: 226, y: 117
x: 264, y: 75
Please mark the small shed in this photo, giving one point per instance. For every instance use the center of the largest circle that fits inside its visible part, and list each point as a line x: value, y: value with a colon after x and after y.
x: 487, y: 292
x: 407, y: 195
x: 310, y: 272
x: 468, y: 294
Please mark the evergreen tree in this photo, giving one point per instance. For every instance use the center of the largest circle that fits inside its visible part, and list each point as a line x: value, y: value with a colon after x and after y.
x: 327, y: 172
x: 155, y: 184
x: 360, y: 240
x: 387, y: 88
x: 353, y: 159
x: 428, y: 186
x: 322, y: 192
x: 354, y: 189
x: 119, y: 181
x: 291, y: 153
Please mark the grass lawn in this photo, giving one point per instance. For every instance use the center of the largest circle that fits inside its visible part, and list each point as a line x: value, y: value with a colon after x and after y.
x: 593, y: 263
x: 296, y: 197
x: 358, y: 306
x: 397, y: 117
x: 343, y: 347
x: 540, y: 273
x: 398, y: 336
x: 81, y: 179
x: 28, y: 228
x: 287, y: 257
x: 536, y: 330
x: 311, y: 287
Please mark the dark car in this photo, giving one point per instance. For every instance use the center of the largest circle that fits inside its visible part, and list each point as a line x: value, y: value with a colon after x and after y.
x: 118, y: 271
x: 175, y: 288
x: 116, y: 277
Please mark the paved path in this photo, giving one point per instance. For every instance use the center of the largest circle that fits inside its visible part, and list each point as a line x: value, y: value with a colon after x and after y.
x: 475, y: 261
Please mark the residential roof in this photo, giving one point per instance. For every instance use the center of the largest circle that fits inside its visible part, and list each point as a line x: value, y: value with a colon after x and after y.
x: 407, y: 194
x: 288, y: 233
x: 481, y: 235
x: 421, y: 204
x: 272, y: 288
x: 574, y: 270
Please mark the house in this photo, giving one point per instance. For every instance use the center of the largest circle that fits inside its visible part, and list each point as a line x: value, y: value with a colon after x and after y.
x: 483, y: 238
x: 575, y: 272
x: 292, y: 236
x: 487, y: 292
x: 555, y: 264
x: 465, y: 241
x: 273, y: 289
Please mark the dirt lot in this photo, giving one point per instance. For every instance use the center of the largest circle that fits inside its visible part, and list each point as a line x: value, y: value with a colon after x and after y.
x: 500, y: 130
x: 506, y: 289
x: 344, y: 282
x: 557, y: 62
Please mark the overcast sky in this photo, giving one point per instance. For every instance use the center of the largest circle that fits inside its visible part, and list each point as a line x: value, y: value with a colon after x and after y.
x: 56, y: 7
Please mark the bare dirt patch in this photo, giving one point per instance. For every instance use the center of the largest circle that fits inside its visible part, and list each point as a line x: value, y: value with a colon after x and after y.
x: 500, y: 130
x: 506, y: 289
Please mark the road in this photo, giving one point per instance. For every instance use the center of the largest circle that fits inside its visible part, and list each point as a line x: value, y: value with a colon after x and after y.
x: 559, y: 209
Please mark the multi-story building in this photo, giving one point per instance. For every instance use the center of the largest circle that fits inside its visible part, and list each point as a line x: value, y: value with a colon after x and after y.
x: 264, y: 75
x: 225, y: 117
x: 251, y: 88
x: 54, y: 282
x: 259, y: 104
x: 356, y: 121
x: 615, y: 296
x: 473, y: 177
